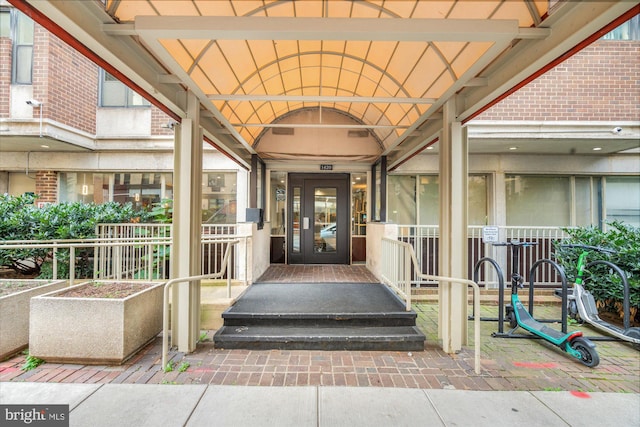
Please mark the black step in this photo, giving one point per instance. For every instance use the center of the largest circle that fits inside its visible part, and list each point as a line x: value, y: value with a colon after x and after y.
x: 380, y: 319
x: 396, y: 338
x: 319, y: 316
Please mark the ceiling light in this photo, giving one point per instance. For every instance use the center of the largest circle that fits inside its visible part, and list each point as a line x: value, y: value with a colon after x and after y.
x: 430, y: 147
x: 44, y: 146
x: 513, y: 148
x: 597, y: 148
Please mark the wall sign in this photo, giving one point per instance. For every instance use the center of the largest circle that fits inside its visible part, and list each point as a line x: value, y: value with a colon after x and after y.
x: 326, y: 167
x: 490, y: 234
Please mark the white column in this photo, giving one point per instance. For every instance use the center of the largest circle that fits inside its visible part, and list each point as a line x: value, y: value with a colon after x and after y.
x: 187, y: 220
x: 453, y: 231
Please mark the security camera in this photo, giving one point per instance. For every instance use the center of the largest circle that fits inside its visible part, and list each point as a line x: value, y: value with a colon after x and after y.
x: 616, y: 130
x: 34, y: 103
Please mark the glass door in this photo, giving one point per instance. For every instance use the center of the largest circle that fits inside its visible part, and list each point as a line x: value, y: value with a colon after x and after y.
x: 319, y: 219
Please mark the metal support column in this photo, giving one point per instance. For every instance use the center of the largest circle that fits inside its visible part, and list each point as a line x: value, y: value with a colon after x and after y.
x: 187, y: 220
x: 453, y: 231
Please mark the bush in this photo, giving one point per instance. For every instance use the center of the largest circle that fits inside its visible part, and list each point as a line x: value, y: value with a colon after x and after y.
x: 605, y: 285
x: 20, y: 219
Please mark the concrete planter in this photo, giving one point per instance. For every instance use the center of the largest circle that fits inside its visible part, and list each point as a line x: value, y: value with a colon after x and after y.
x: 14, y: 315
x: 94, y: 330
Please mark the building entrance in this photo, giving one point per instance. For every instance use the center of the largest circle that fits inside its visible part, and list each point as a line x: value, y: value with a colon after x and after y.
x: 318, y: 220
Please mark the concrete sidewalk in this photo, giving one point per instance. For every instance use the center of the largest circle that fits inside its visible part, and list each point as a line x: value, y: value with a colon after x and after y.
x: 94, y: 405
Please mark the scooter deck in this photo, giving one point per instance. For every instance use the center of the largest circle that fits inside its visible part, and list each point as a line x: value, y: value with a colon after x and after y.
x: 535, y: 327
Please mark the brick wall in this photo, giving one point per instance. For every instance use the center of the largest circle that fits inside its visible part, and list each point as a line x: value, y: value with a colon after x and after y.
x: 602, y: 82
x: 72, y: 86
x: 47, y: 186
x: 159, y: 118
x: 5, y: 75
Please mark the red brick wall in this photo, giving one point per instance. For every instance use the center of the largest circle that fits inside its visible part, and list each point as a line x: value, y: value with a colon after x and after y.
x: 5, y: 76
x: 47, y: 186
x: 72, y: 86
x: 602, y: 82
x: 159, y: 118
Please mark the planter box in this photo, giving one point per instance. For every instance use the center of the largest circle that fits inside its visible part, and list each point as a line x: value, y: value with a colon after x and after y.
x: 94, y: 330
x: 14, y: 315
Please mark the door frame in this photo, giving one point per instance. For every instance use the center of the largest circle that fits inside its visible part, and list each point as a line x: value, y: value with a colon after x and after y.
x: 307, y: 182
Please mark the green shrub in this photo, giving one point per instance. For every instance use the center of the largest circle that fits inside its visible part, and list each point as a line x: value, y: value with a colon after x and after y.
x: 605, y: 285
x: 20, y: 219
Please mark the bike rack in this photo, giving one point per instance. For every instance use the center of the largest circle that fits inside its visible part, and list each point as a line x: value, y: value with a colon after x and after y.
x: 563, y: 278
x: 626, y: 305
x: 476, y: 271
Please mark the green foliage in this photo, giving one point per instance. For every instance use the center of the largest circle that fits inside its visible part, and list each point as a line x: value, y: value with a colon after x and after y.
x: 162, y: 212
x: 184, y: 366
x: 31, y: 363
x: 605, y: 285
x: 169, y: 367
x: 20, y: 219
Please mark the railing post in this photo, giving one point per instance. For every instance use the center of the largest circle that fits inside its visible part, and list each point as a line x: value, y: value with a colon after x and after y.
x: 229, y: 273
x: 72, y: 264
x: 407, y: 276
x: 55, y: 260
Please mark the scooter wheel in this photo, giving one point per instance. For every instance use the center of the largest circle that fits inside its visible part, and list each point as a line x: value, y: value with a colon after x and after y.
x: 588, y: 354
x: 511, y: 317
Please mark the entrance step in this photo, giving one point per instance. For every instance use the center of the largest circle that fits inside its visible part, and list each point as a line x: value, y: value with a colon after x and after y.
x: 381, y: 338
x: 319, y: 316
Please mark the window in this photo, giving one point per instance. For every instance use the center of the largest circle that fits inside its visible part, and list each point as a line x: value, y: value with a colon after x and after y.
x: 278, y: 203
x: 359, y: 204
x: 114, y: 93
x: 538, y: 200
x: 22, y: 35
x: 5, y: 23
x: 402, y: 199
x: 623, y: 199
x: 630, y: 30
x: 219, y: 197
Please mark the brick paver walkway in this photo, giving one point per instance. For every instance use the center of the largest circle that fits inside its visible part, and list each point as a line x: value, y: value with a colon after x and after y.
x: 507, y: 364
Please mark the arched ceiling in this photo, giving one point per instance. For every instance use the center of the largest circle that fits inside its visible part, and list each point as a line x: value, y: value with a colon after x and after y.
x: 389, y: 64
x: 254, y: 71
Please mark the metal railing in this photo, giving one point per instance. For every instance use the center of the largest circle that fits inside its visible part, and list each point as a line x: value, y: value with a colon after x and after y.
x: 398, y: 258
x: 152, y: 261
x: 135, y: 257
x: 424, y: 239
x: 224, y: 265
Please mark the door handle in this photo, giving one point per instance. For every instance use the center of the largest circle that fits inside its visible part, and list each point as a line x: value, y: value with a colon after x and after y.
x: 305, y: 223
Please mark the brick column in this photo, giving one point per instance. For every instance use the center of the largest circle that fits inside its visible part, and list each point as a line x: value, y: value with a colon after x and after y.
x: 47, y: 186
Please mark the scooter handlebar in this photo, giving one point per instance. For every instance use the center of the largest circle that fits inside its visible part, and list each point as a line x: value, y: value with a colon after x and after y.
x: 595, y: 248
x: 515, y: 243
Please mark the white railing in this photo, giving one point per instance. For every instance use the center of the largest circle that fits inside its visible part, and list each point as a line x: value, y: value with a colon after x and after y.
x: 224, y: 265
x: 424, y: 239
x: 152, y: 261
x: 397, y: 260
x: 123, y: 245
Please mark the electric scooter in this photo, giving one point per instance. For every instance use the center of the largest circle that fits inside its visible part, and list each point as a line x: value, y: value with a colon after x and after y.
x: 582, y: 305
x: 572, y: 343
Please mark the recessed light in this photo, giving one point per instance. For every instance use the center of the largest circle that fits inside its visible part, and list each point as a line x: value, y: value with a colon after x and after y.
x: 597, y: 148
x: 44, y: 146
x: 430, y: 147
x: 513, y: 148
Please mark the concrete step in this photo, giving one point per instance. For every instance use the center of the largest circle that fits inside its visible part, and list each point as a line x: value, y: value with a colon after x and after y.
x: 394, y: 338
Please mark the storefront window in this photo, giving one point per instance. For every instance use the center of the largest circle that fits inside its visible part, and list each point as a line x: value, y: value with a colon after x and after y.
x: 278, y: 203
x: 623, y: 199
x: 219, y: 197
x: 84, y: 187
x: 359, y: 203
x: 401, y: 190
x: 538, y: 200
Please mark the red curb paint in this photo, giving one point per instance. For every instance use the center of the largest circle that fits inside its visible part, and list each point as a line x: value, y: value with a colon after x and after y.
x: 535, y: 365
x: 580, y: 394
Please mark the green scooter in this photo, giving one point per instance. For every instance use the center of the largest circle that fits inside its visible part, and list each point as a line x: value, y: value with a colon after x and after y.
x: 572, y: 343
